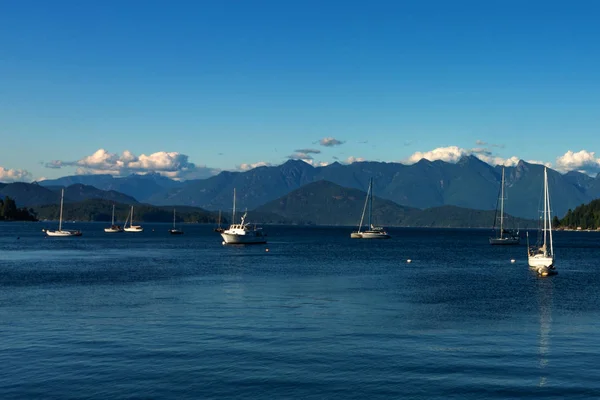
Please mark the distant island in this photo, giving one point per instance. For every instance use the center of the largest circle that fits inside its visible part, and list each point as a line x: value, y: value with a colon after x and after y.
x: 10, y: 212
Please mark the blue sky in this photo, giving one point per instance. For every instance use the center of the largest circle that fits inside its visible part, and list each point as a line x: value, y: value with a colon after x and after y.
x: 191, y: 88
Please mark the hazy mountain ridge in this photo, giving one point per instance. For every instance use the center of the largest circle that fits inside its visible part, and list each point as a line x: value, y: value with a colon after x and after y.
x: 325, y: 203
x: 31, y: 194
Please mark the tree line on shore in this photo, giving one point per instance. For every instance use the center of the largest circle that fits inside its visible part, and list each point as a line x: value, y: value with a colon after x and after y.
x: 10, y: 212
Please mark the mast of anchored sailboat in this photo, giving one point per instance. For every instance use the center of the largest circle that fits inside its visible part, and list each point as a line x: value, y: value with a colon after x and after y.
x: 370, y: 201
x: 62, y: 196
x: 547, y: 208
x: 502, y: 206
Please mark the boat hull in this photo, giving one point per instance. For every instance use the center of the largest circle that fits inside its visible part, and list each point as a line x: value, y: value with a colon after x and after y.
x: 175, y: 232
x: 63, y: 233
x: 356, y: 235
x: 230, y: 238
x: 537, y: 261
x: 113, y: 230
x: 375, y: 235
x: 134, y: 229
x: 505, y: 241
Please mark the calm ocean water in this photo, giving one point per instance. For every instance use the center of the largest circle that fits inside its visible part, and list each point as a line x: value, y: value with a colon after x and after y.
x: 317, y: 316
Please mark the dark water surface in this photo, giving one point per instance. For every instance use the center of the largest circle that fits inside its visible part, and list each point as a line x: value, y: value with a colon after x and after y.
x: 317, y: 316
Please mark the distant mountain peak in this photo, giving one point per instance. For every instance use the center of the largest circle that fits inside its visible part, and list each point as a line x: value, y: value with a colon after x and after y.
x: 297, y: 162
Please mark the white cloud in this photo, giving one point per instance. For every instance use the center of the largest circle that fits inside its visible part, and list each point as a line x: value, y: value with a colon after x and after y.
x: 14, y: 175
x: 330, y: 142
x: 448, y: 154
x: 316, y: 163
x: 582, y: 161
x: 352, y: 159
x: 247, y: 167
x: 453, y: 154
x: 171, y: 164
x: 546, y: 164
x: 300, y: 156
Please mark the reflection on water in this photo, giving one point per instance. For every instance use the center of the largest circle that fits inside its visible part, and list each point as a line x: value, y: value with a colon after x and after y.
x: 545, y: 288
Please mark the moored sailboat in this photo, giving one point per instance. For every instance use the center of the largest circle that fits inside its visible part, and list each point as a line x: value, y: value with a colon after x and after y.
x: 174, y: 230
x: 541, y: 256
x: 372, y: 232
x: 131, y: 227
x: 62, y: 232
x: 113, y: 228
x: 503, y: 236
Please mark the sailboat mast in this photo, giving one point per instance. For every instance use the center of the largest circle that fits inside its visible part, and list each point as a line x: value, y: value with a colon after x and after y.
x: 362, y: 217
x: 233, y: 216
x: 545, y: 208
x: 62, y: 196
x: 549, y: 211
x: 370, y: 201
x: 173, y: 218
x: 502, y: 207
x: 113, y: 215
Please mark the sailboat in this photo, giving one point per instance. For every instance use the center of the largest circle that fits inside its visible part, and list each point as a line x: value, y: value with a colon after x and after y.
x: 372, y: 232
x: 131, y: 227
x: 113, y: 228
x: 219, y: 228
x: 242, y: 233
x: 174, y: 230
x: 541, y: 256
x: 504, y: 236
x: 62, y: 232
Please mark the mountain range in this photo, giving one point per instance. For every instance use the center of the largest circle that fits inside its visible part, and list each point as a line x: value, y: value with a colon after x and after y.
x: 32, y: 194
x: 469, y: 183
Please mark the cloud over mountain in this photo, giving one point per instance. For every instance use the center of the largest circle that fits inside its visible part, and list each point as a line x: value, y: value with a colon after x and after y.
x: 583, y: 161
x: 247, y: 167
x: 300, y: 156
x: 14, y: 175
x: 352, y: 159
x: 171, y: 164
x: 453, y: 154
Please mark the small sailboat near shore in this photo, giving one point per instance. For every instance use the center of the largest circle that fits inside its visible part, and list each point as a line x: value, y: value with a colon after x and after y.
x: 219, y: 228
x: 131, y: 227
x: 541, y: 256
x: 61, y: 232
x: 113, y: 228
x: 175, y: 230
x: 372, y: 232
x: 503, y: 236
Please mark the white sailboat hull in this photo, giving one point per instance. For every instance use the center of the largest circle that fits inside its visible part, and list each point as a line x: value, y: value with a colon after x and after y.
x: 356, y: 235
x: 540, y: 260
x: 134, y: 228
x: 375, y: 235
x: 63, y: 233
